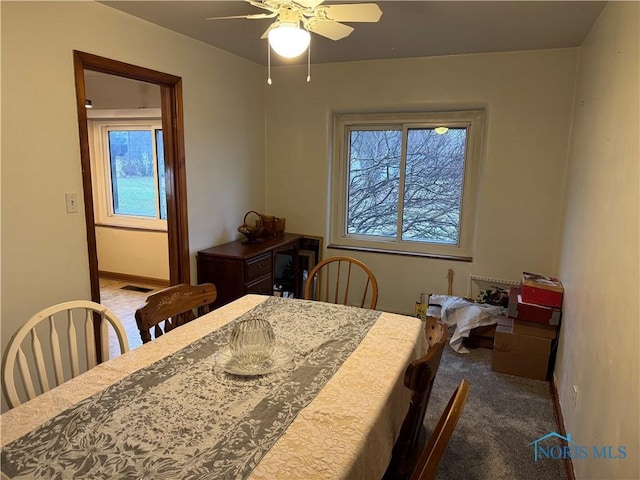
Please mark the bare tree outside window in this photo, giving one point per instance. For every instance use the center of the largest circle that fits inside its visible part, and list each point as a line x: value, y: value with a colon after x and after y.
x: 406, y: 182
x: 432, y: 174
x: 374, y: 179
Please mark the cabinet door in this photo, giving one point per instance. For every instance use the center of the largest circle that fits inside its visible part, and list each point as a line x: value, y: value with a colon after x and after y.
x: 225, y: 274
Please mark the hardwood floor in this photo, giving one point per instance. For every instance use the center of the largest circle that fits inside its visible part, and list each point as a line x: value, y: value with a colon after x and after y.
x: 124, y: 302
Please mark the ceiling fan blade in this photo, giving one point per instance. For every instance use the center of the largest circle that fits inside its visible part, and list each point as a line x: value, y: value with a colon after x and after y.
x: 253, y: 16
x: 330, y: 29
x: 309, y: 3
x: 353, y: 12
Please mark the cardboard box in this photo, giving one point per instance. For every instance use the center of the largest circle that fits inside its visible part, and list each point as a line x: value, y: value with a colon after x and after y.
x: 481, y: 337
x: 521, y: 355
x: 535, y: 329
x: 541, y: 290
x: 529, y: 328
x: 531, y: 312
x: 488, y: 331
x: 505, y: 321
x: 478, y: 342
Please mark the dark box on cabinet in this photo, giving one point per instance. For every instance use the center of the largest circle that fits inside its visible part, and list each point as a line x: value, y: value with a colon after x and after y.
x: 531, y: 312
x: 521, y: 355
x: 541, y: 290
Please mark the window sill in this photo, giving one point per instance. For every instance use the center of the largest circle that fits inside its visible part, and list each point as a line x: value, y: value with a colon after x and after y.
x: 128, y: 227
x: 401, y: 252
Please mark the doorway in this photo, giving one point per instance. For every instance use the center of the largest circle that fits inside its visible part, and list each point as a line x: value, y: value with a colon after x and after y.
x: 174, y: 168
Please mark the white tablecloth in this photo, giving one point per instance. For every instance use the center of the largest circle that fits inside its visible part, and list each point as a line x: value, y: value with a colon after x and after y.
x: 347, y: 431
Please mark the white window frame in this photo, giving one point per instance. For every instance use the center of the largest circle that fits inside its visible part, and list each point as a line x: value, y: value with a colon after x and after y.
x: 99, y: 123
x: 472, y: 120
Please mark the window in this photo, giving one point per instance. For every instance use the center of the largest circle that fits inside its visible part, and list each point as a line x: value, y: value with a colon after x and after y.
x: 406, y: 183
x: 128, y: 160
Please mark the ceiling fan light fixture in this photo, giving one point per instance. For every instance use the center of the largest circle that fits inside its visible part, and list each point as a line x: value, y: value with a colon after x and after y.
x: 288, y: 39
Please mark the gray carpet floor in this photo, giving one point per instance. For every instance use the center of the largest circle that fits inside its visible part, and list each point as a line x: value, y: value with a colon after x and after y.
x: 502, y: 415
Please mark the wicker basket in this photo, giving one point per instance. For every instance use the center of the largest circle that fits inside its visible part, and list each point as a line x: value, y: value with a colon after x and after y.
x: 254, y: 231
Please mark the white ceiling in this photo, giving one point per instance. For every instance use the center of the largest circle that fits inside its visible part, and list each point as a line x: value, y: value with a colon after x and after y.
x: 406, y: 29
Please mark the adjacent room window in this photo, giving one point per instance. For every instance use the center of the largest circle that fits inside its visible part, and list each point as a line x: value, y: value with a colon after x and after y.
x: 406, y: 183
x: 128, y: 159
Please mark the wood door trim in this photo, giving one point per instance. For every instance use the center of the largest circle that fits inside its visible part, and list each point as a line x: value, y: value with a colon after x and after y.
x: 173, y: 127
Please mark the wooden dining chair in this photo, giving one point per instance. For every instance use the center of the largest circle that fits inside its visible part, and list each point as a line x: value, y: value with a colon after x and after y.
x: 419, y: 377
x: 64, y: 355
x: 335, y: 280
x: 172, y: 307
x: 429, y: 460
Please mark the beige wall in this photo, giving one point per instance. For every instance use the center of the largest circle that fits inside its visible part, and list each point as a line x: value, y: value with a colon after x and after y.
x: 598, y: 351
x: 133, y: 252
x: 528, y: 99
x: 44, y: 253
x: 111, y: 92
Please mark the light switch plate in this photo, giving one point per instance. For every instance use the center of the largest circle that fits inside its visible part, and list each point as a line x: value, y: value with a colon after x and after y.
x: 72, y: 202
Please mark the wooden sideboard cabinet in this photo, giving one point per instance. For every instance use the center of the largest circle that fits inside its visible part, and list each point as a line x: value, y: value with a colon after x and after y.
x: 238, y: 268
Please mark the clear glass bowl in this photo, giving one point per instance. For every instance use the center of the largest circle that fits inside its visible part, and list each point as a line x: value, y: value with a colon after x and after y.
x: 252, y: 341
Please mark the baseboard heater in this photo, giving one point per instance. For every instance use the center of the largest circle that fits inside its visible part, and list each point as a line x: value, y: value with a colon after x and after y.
x: 487, y: 282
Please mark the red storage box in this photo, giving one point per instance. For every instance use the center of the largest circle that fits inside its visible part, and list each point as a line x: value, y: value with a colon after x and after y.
x: 541, y: 290
x: 531, y: 312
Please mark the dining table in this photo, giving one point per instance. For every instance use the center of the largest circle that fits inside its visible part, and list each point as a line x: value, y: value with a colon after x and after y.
x: 330, y: 408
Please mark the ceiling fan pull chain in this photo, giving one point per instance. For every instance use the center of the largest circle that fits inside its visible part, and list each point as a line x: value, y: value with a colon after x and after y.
x: 309, y: 62
x: 268, y: 63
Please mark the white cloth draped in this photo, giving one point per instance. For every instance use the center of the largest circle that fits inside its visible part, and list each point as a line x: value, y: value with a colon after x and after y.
x: 464, y: 315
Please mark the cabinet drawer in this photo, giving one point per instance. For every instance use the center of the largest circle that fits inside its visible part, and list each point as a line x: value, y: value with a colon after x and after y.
x: 262, y: 286
x: 257, y: 267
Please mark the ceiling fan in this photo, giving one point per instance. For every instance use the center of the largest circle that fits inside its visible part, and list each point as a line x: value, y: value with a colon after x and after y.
x: 289, y: 34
